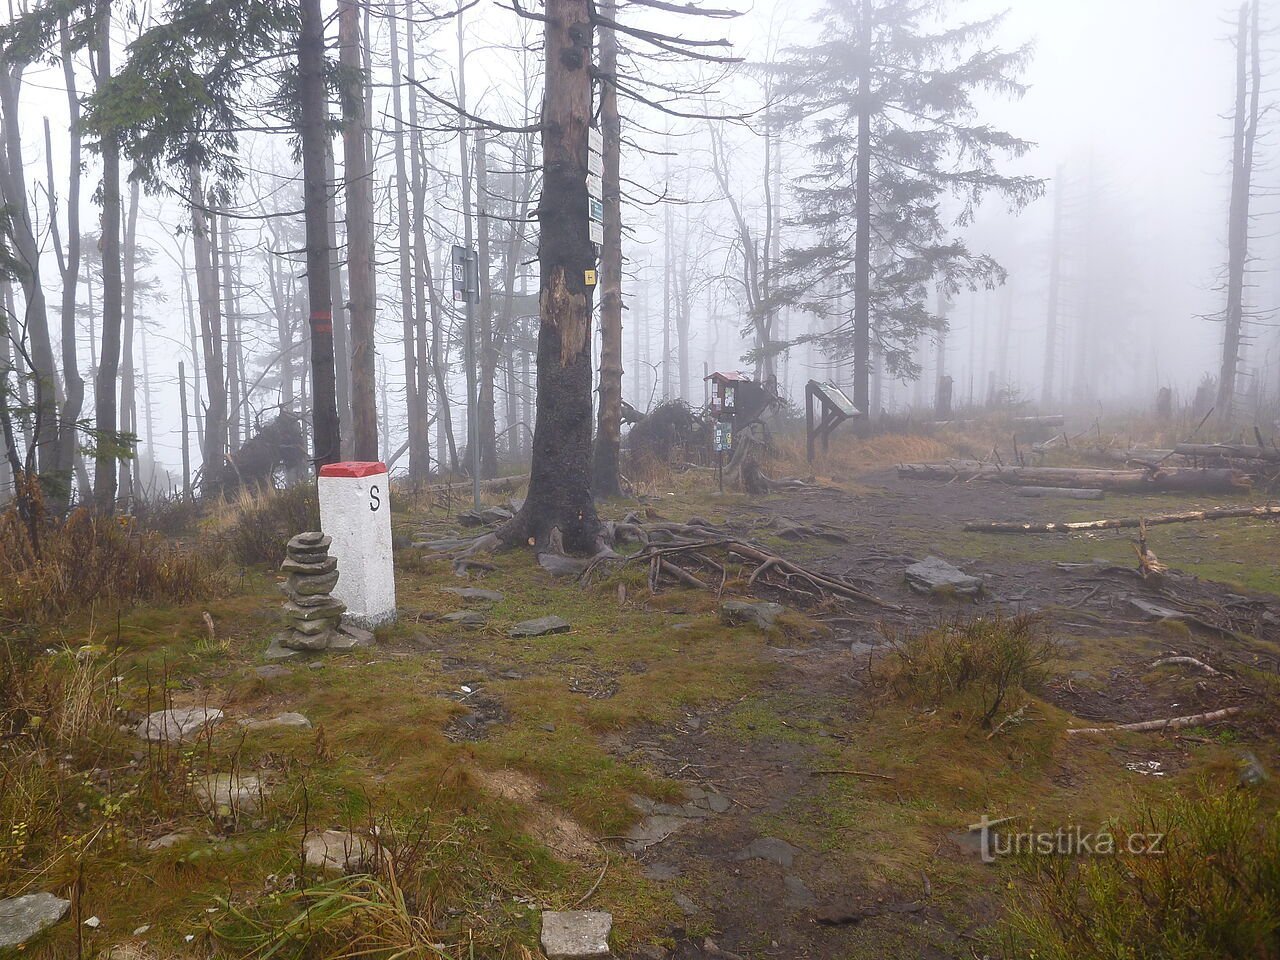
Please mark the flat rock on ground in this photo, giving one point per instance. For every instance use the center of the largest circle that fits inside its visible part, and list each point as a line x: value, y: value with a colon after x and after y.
x: 283, y: 720
x: 540, y: 627
x: 567, y: 934
x: 22, y: 918
x: 771, y: 849
x: 763, y: 615
x: 935, y: 575
x: 476, y: 593
x: 337, y: 851
x: 177, y: 723
x: 466, y: 618
x: 225, y: 794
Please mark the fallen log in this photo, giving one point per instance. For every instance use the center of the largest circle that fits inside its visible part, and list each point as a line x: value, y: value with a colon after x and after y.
x: 1173, y: 723
x: 496, y: 485
x: 1068, y: 493
x: 1055, y: 420
x: 1119, y: 523
x: 1227, y: 451
x: 1127, y: 481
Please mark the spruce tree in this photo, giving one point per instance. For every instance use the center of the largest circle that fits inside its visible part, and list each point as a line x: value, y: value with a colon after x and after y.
x: 900, y: 160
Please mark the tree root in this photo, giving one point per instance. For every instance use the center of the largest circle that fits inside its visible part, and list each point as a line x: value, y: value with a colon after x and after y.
x: 1172, y: 723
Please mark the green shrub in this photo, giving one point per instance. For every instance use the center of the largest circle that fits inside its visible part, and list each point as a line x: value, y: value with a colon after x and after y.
x: 989, y: 660
x: 1213, y: 894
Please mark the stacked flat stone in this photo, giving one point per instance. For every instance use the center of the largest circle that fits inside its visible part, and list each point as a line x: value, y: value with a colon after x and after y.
x: 311, y: 614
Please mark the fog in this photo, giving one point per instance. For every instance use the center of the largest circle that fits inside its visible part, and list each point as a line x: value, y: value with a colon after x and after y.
x: 1128, y: 107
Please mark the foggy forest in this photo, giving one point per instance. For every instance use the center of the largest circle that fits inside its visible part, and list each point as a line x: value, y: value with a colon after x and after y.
x: 639, y: 478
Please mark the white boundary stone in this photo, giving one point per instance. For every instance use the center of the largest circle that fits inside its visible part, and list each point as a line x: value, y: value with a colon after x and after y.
x: 355, y: 510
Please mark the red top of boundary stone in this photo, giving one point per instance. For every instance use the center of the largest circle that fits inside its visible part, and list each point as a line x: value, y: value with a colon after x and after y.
x: 353, y: 468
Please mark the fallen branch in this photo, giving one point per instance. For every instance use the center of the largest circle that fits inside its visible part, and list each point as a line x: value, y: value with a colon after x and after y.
x: 1186, y: 480
x: 1067, y: 493
x: 851, y: 773
x: 1120, y: 523
x: 1014, y: 717
x: 1173, y: 723
x: 1200, y: 665
x: 1228, y: 451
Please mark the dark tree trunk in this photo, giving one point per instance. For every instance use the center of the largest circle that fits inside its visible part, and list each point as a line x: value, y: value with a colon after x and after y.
x: 215, y: 425
x: 128, y: 387
x: 106, y: 447
x: 359, y: 191
x: 604, y: 465
x: 559, y: 495
x: 1047, y: 393
x: 326, y: 440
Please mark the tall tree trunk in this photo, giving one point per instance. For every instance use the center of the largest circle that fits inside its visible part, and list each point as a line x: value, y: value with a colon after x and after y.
x: 213, y: 449
x: 415, y: 408
x: 1047, y: 388
x: 128, y: 390
x: 106, y: 449
x: 358, y: 177
x: 13, y: 194
x: 559, y: 496
x: 69, y: 268
x: 326, y: 439
x: 193, y: 339
x: 485, y: 411
x: 1248, y: 81
x: 668, y: 278
x: 469, y: 353
x: 604, y: 465
x: 341, y: 316
x: 862, y: 237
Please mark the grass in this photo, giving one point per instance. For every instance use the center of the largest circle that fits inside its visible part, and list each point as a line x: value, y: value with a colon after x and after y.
x: 382, y: 754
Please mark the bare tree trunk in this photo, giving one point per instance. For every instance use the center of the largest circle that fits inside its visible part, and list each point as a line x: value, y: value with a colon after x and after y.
x: 488, y: 354
x: 559, y: 494
x: 69, y: 268
x: 358, y: 177
x: 1047, y: 395
x: 419, y: 458
x: 128, y: 391
x: 215, y: 428
x: 106, y: 447
x: 189, y: 307
x: 1248, y: 81
x: 341, y: 338
x: 13, y: 193
x: 326, y: 439
x: 604, y: 466
x: 668, y: 239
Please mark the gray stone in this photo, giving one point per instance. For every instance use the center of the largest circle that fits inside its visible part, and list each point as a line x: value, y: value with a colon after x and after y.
x: 312, y: 641
x: 22, y: 918
x: 283, y: 720
x: 170, y: 840
x: 569, y: 934
x: 272, y: 671
x: 308, y: 586
x: 763, y: 615
x: 654, y: 829
x: 1155, y: 611
x: 176, y: 724
x: 540, y: 627
x: 769, y: 848
x: 276, y: 650
x: 719, y: 803
x: 476, y: 593
x: 227, y: 794
x: 798, y: 894
x: 320, y: 569
x: 332, y: 610
x: 309, y: 542
x: 1252, y: 772
x: 687, y: 906
x: 466, y: 618
x: 935, y: 575
x: 337, y: 851
x: 304, y: 599
x: 559, y: 565
x: 362, y: 637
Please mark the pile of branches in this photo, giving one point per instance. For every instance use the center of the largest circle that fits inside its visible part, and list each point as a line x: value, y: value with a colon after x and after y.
x: 699, y: 555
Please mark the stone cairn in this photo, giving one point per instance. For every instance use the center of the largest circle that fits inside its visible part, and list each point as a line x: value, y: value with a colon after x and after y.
x: 312, y: 616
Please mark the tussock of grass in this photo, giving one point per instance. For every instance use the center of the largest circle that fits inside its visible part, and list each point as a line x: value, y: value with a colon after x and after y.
x: 985, y: 663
